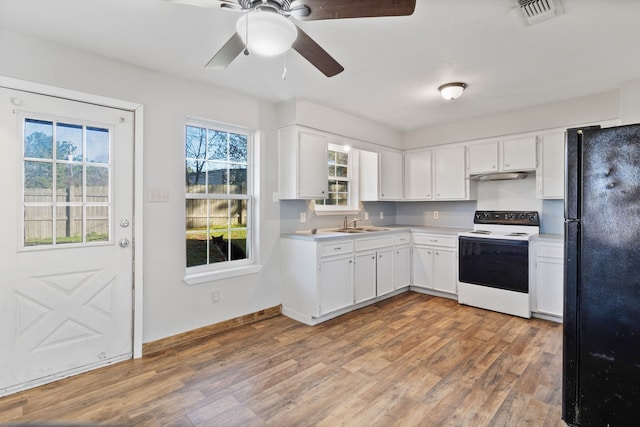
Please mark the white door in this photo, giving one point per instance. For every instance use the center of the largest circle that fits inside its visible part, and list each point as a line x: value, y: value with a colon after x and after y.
x: 65, y: 238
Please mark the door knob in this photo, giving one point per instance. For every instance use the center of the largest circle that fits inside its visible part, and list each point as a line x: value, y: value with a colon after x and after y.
x: 124, y: 243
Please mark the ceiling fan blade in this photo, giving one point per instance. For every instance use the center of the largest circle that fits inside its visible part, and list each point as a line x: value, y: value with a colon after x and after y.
x: 227, y: 53
x: 208, y: 3
x: 316, y: 55
x: 338, y: 9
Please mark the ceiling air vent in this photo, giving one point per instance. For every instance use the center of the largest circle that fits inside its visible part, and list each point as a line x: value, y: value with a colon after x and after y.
x: 535, y: 11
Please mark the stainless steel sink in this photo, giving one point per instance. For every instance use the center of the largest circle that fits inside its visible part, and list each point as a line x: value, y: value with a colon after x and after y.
x: 357, y: 230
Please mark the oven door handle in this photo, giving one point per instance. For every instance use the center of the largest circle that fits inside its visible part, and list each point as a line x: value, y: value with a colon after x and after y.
x: 493, y: 241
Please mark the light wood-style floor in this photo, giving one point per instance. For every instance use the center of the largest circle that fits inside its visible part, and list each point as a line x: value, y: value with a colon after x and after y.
x: 413, y: 360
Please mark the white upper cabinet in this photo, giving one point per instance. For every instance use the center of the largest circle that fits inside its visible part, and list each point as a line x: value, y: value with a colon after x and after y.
x: 550, y: 172
x: 449, y: 174
x: 390, y: 175
x: 483, y: 158
x: 418, y: 183
x: 302, y: 168
x: 519, y: 154
x: 380, y: 175
x: 368, y: 175
x: 508, y: 155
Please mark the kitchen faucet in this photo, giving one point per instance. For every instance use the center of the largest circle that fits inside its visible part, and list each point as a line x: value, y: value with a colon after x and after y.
x: 354, y: 221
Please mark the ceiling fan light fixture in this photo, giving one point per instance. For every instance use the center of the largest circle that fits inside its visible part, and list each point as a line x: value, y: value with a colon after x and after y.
x: 270, y: 33
x: 450, y: 91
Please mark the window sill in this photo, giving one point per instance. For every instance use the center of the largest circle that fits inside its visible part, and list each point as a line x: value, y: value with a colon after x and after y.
x: 209, y: 276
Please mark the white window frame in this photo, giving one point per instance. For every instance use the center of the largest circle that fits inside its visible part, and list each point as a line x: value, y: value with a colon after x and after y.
x: 354, y: 205
x: 232, y: 268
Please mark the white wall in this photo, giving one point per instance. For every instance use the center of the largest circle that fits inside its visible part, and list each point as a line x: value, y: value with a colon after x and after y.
x: 630, y: 103
x: 306, y: 113
x: 589, y: 109
x: 170, y: 306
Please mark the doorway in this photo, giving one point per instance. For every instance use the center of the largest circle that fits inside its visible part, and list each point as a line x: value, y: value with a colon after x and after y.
x: 66, y: 238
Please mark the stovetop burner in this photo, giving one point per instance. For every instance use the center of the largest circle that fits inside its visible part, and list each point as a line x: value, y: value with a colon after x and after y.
x: 512, y: 225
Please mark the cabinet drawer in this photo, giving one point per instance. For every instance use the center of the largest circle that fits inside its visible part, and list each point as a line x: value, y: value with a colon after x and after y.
x: 552, y: 251
x: 401, y: 239
x: 434, y: 240
x: 337, y: 248
x: 373, y: 243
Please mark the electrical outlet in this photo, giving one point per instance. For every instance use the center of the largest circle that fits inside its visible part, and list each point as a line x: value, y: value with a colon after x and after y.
x: 303, y: 217
x: 366, y: 215
x: 215, y: 297
x: 276, y: 197
x: 435, y: 214
x: 381, y: 215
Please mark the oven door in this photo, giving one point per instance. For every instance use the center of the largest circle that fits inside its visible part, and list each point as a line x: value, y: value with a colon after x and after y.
x: 497, y: 263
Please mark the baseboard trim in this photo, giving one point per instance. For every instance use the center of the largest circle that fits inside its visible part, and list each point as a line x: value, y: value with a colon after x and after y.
x: 206, y: 331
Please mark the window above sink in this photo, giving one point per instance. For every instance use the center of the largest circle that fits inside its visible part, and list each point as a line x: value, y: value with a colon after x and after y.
x: 342, y: 167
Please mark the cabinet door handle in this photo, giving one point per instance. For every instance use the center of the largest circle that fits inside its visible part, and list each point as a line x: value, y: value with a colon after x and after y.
x: 373, y: 257
x: 337, y: 249
x: 437, y: 253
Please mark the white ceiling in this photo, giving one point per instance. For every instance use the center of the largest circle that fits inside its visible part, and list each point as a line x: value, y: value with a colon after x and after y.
x: 393, y: 65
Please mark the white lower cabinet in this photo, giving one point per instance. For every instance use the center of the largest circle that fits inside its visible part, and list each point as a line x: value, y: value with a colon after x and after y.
x: 365, y: 279
x: 384, y: 272
x: 322, y: 280
x: 547, y: 278
x: 336, y: 284
x: 434, y: 261
x: 374, y: 267
x: 402, y: 267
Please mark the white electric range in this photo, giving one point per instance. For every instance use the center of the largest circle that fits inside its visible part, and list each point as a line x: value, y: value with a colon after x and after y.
x: 493, y: 261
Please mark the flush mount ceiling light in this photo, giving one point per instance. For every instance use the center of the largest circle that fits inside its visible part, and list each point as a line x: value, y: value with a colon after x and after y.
x: 453, y: 90
x: 269, y: 33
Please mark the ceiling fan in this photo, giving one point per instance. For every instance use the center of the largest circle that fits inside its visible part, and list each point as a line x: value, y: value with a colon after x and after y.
x: 266, y: 27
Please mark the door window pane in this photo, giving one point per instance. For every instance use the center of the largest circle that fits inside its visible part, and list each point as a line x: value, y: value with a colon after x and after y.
x: 69, y: 183
x: 97, y: 223
x: 69, y: 142
x: 38, y: 139
x: 97, y: 184
x: 66, y: 196
x: 97, y: 145
x: 38, y: 182
x: 69, y: 224
x: 38, y: 225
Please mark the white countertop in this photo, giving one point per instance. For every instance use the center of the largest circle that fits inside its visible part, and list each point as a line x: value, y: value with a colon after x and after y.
x: 306, y: 234
x: 549, y: 237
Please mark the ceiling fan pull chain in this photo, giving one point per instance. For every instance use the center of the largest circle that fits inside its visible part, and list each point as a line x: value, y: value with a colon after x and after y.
x: 284, y: 61
x: 246, y: 36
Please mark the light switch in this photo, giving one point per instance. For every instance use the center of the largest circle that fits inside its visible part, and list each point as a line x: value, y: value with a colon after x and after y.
x: 158, y: 195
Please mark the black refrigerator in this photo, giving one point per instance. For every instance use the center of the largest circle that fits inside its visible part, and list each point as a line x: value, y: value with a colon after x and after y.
x: 601, y: 335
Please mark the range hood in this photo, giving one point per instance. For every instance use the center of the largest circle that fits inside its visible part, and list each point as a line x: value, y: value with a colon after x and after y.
x: 499, y: 176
